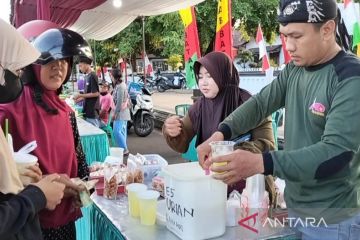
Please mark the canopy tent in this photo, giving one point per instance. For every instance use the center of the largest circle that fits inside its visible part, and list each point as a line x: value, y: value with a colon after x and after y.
x: 94, y: 19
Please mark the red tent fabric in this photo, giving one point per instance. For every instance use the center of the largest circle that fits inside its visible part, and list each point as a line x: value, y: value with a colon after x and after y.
x: 93, y: 19
x: 62, y: 12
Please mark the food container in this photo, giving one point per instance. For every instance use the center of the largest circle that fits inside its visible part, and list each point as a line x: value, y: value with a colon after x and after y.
x: 145, y: 167
x: 196, y: 203
x: 152, y: 169
x: 100, y: 188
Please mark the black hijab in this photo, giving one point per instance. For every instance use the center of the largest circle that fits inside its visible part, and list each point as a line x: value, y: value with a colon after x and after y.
x: 206, y: 114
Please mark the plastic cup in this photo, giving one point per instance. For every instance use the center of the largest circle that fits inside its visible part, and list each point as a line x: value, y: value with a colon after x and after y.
x: 118, y: 153
x: 24, y: 160
x: 148, y: 205
x: 220, y: 148
x: 132, y: 190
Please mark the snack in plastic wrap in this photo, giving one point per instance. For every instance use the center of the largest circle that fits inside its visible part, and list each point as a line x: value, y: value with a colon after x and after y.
x: 110, y: 188
x: 158, y: 185
x: 134, y: 164
x: 138, y: 176
x: 110, y: 182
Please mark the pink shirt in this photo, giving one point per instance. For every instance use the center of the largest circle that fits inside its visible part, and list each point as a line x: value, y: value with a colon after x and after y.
x: 106, y: 103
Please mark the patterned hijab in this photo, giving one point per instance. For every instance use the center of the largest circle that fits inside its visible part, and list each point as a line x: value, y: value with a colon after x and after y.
x: 206, y: 114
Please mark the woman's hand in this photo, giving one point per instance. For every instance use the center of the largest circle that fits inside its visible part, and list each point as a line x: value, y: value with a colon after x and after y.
x: 53, y: 191
x: 71, y: 189
x: 33, y: 172
x: 173, y: 126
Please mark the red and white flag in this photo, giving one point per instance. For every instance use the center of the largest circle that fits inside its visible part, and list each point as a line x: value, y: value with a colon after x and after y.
x: 285, y: 53
x: 148, y: 66
x: 262, y: 49
x: 263, y: 54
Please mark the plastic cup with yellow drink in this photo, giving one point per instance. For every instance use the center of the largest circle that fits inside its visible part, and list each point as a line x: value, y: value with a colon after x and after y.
x: 147, y: 206
x: 133, y: 190
x: 220, y: 148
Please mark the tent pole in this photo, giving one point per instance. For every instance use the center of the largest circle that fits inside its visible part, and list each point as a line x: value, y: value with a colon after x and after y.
x: 95, y: 55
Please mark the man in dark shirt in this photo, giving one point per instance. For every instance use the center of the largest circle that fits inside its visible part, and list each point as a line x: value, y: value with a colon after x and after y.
x: 91, y: 93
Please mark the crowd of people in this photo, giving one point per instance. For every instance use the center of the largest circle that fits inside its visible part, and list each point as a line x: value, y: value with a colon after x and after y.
x: 318, y: 88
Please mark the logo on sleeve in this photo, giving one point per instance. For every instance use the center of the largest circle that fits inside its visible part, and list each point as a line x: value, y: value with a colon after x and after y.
x: 317, y: 108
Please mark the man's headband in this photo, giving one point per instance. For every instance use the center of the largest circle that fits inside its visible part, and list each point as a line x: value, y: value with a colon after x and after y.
x: 306, y: 11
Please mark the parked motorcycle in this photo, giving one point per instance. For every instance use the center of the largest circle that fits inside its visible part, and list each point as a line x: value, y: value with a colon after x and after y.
x: 142, y: 117
x: 170, y: 81
x: 150, y: 81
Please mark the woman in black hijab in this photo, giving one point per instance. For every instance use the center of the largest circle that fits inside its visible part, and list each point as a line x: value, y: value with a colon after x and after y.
x: 218, y: 80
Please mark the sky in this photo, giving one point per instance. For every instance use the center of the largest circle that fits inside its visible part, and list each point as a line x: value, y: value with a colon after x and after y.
x: 5, y: 10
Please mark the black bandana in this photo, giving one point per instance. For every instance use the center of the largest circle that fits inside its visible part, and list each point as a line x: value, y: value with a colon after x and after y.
x: 306, y: 11
x: 12, y: 87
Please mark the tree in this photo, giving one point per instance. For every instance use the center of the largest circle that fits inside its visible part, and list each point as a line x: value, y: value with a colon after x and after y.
x: 251, y: 13
x: 105, y: 53
x: 129, y: 42
x: 174, y: 60
x: 244, y: 56
x: 165, y: 33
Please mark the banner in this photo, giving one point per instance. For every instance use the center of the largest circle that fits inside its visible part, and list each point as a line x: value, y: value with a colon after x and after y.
x: 192, y: 48
x: 223, y: 39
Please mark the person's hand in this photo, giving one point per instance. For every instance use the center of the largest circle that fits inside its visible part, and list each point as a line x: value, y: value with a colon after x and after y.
x: 71, y: 189
x: 173, y: 126
x: 78, y: 98
x: 240, y: 165
x: 53, y: 191
x: 77, y: 202
x: 33, y: 172
x: 204, y: 149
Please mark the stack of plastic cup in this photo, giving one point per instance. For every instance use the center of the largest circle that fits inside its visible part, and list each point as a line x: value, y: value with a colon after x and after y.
x: 132, y: 190
x: 148, y: 204
x: 23, y: 161
x: 117, y: 153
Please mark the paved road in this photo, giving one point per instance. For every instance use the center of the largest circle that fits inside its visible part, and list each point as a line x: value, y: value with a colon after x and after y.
x: 154, y: 143
x: 167, y: 100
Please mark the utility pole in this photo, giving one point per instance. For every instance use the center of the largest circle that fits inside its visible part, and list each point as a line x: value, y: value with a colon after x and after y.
x: 144, y: 51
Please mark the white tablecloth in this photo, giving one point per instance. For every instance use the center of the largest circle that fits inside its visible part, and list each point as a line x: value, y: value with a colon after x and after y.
x: 131, y: 228
x: 86, y: 129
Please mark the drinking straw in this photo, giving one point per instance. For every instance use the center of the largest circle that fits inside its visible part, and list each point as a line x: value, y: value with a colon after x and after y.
x: 6, y: 127
x: 207, y: 170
